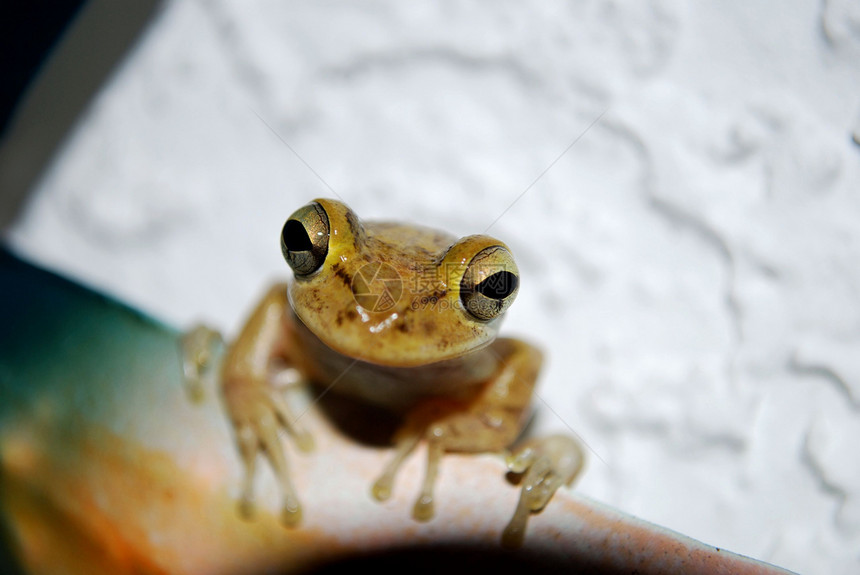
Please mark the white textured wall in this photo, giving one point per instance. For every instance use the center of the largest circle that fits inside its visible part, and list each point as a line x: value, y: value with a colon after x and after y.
x: 691, y: 265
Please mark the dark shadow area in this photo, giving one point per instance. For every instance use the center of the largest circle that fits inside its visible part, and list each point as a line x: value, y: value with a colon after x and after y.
x: 29, y: 30
x: 9, y: 564
x: 372, y: 425
x: 458, y: 558
x: 55, y: 57
x: 366, y: 424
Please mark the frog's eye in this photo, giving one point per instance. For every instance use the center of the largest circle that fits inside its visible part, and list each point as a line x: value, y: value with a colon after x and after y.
x: 490, y: 283
x: 304, y: 239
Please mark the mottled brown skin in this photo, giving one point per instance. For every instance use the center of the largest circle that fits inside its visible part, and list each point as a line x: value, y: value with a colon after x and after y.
x: 425, y: 356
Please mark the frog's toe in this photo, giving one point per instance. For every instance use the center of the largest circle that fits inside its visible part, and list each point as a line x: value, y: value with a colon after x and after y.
x: 305, y: 442
x: 520, y: 458
x: 246, y: 508
x: 303, y: 438
x: 424, y: 508
x: 405, y: 443
x: 291, y: 514
x: 381, y: 490
x: 515, y: 532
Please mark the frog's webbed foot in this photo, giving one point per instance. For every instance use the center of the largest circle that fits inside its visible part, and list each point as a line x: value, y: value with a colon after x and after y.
x: 259, y: 413
x: 547, y: 464
x: 202, y: 349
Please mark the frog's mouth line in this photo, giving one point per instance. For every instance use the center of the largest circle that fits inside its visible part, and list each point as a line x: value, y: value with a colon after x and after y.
x: 325, y: 344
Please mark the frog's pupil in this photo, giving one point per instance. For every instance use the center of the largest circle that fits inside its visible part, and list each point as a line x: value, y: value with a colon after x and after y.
x: 498, y: 286
x: 296, y: 237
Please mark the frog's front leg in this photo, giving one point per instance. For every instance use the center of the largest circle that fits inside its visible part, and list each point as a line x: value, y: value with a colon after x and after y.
x: 490, y: 422
x: 257, y: 410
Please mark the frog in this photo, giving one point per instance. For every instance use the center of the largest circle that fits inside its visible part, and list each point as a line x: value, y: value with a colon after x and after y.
x: 402, y: 317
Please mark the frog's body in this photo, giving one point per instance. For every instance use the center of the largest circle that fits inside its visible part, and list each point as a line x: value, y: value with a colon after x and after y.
x: 404, y: 317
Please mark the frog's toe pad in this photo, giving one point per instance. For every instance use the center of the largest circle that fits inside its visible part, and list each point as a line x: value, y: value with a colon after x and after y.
x: 424, y: 508
x: 291, y: 515
x: 246, y: 509
x: 382, y: 488
x: 305, y: 442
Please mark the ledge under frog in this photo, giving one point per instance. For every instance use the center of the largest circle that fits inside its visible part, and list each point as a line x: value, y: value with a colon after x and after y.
x: 399, y: 316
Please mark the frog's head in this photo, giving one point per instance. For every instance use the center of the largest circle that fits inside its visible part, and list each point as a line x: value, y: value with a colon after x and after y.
x: 395, y: 294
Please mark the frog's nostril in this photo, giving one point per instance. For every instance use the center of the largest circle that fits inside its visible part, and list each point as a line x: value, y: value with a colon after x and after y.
x: 296, y: 237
